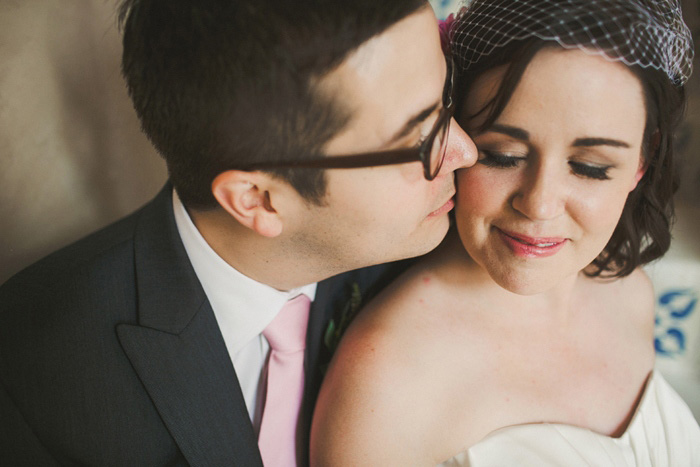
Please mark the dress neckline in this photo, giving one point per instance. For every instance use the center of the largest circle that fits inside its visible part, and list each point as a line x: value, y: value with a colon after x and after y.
x: 661, y: 429
x: 637, y: 409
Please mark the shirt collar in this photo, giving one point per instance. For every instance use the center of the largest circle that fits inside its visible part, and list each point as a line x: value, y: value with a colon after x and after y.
x: 243, y: 307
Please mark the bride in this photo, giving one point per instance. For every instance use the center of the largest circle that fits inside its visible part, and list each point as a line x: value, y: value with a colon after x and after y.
x: 526, y: 338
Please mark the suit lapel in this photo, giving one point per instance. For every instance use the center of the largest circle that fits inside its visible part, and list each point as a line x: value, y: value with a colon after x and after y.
x: 178, y: 351
x: 321, y: 312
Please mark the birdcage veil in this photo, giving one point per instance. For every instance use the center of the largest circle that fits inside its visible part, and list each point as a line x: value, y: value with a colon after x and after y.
x: 648, y: 33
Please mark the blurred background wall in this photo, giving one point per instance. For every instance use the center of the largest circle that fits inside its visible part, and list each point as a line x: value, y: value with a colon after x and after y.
x: 72, y: 157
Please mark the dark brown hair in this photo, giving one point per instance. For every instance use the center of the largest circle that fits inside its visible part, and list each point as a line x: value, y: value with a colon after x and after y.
x: 223, y: 84
x: 643, y: 232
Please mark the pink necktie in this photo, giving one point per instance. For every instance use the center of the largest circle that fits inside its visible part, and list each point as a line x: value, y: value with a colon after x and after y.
x: 285, y: 384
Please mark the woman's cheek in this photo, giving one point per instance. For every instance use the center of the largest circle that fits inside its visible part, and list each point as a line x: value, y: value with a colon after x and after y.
x: 480, y: 187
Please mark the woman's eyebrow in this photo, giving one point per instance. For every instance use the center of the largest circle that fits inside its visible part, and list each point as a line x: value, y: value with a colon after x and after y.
x: 589, y: 142
x: 513, y: 132
x: 519, y: 133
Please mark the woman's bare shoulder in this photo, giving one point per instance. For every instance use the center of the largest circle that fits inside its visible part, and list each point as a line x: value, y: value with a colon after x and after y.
x: 633, y: 296
x: 376, y: 405
x: 412, y: 303
x: 627, y: 304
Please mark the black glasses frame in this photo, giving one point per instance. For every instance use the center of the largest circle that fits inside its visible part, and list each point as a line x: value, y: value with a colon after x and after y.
x: 391, y: 156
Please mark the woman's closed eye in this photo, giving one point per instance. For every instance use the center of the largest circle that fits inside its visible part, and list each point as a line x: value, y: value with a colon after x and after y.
x: 595, y: 172
x: 503, y: 160
x: 498, y: 160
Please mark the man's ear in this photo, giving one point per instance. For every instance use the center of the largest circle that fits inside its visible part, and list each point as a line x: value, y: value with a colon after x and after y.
x: 246, y: 197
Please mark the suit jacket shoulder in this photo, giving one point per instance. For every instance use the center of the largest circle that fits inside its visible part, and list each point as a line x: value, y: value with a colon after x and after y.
x: 110, y: 355
x: 63, y: 372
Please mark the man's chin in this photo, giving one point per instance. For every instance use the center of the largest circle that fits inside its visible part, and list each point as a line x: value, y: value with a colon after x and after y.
x: 438, y: 234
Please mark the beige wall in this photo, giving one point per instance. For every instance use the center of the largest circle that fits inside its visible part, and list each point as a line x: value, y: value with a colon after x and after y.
x: 689, y: 137
x: 72, y: 158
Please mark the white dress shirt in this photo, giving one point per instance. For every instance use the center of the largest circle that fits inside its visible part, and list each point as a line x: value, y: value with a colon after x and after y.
x: 243, y: 308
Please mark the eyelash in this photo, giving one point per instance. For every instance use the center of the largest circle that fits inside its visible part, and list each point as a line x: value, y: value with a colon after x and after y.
x: 502, y: 161
x: 590, y: 171
x: 420, y: 141
x: 422, y: 138
x: 499, y: 160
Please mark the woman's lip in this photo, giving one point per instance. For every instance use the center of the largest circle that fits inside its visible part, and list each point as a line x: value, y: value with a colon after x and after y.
x: 531, y: 247
x: 445, y: 208
x: 534, y: 240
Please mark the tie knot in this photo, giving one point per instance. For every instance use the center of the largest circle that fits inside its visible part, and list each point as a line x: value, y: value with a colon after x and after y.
x: 287, y: 332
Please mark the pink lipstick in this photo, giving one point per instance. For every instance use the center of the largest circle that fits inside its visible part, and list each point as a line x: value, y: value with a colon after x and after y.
x: 531, y: 247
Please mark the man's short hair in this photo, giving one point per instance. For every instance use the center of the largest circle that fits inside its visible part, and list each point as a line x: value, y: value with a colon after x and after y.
x: 220, y: 84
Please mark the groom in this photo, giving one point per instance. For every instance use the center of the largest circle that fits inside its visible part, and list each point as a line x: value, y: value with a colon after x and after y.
x: 179, y: 334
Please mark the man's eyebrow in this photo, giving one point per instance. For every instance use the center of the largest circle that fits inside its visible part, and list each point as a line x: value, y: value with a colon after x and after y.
x: 589, y: 142
x: 413, y: 121
x: 513, y: 132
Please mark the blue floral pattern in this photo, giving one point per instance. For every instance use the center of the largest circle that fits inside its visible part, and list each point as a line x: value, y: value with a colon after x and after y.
x: 673, y: 308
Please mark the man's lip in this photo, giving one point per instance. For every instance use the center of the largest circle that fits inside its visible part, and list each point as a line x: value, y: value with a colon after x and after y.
x: 533, y: 240
x: 445, y: 208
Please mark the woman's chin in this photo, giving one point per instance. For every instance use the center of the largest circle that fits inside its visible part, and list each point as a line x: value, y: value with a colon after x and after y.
x: 524, y: 284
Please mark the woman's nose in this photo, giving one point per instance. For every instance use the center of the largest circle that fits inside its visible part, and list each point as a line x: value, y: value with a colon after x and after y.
x: 542, y: 194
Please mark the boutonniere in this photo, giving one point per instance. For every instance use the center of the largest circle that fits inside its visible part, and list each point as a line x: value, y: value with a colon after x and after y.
x: 342, y: 318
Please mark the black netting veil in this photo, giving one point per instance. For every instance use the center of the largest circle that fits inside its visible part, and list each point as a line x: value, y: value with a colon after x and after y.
x: 648, y: 33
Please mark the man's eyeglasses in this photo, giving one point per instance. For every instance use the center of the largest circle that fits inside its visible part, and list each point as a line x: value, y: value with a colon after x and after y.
x: 431, y: 152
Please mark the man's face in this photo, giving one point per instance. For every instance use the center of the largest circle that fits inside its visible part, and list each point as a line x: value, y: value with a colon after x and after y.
x: 393, y: 86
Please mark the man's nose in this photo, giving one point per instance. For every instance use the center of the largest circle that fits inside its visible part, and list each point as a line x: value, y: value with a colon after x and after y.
x: 460, y: 152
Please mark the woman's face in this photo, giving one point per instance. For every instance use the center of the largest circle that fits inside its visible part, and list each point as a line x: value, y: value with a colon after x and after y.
x: 554, y: 170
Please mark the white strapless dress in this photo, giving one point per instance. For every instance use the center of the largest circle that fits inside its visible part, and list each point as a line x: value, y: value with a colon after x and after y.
x: 662, y: 432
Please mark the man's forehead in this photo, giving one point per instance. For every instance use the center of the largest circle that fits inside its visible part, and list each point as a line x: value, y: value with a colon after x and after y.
x: 400, y: 38
x: 390, y: 78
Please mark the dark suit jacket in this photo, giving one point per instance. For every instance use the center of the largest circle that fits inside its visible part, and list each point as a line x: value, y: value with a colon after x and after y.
x: 110, y: 354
